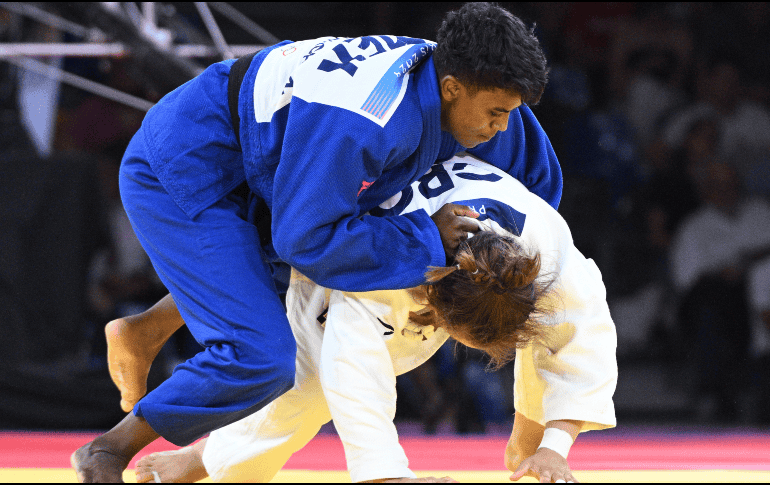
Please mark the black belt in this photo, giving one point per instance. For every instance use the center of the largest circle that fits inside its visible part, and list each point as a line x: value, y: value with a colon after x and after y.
x: 237, y: 73
x: 261, y: 215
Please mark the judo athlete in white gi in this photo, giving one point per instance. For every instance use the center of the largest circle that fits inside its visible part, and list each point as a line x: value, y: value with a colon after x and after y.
x: 351, y: 347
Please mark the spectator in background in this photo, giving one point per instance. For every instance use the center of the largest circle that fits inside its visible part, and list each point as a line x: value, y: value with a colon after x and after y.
x: 672, y: 191
x: 600, y: 145
x: 711, y: 253
x: 645, y: 312
x: 759, y: 297
x: 737, y: 31
x: 602, y: 134
x: 590, y: 27
x: 569, y: 87
x: 650, y: 56
x: 744, y: 124
x: 600, y: 162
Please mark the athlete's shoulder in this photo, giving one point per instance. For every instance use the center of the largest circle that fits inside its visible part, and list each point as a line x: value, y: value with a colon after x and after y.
x: 365, y: 75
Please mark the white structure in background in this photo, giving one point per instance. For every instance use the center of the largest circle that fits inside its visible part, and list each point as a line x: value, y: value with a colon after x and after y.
x: 40, y: 80
x: 38, y: 99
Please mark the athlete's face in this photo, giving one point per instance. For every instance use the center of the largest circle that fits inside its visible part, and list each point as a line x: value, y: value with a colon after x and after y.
x: 474, y: 117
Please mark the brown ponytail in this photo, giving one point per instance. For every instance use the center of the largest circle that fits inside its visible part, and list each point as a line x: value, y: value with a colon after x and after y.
x: 492, y: 298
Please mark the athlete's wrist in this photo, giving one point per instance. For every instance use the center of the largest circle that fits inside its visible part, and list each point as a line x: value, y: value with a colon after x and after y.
x: 557, y: 440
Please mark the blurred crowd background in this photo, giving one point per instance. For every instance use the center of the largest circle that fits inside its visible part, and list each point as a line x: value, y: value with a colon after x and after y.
x: 659, y: 114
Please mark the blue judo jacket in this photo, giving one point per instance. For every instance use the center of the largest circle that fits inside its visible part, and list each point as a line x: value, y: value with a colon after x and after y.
x: 331, y: 128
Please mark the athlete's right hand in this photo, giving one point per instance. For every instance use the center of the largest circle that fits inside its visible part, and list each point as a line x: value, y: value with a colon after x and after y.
x: 454, y: 227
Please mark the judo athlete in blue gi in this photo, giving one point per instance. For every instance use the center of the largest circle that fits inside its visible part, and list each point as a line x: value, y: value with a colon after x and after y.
x: 326, y: 130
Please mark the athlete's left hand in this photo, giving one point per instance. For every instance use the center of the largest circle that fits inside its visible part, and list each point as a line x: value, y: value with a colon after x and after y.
x: 547, y: 466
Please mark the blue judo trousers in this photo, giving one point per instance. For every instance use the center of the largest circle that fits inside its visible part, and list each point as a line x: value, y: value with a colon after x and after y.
x: 217, y: 273
x: 323, y: 141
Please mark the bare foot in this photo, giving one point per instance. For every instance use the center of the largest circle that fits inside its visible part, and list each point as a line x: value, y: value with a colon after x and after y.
x: 98, y: 466
x: 130, y: 352
x: 180, y: 466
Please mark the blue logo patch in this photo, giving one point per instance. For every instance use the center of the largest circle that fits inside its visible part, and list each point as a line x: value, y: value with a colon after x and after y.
x: 509, y: 218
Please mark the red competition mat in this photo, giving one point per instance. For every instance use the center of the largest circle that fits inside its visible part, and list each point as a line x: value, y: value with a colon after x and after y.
x: 645, y: 451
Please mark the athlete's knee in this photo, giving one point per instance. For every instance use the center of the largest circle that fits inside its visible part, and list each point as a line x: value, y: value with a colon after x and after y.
x: 277, y: 366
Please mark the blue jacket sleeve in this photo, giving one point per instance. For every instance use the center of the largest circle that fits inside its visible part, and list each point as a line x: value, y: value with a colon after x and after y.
x: 525, y: 152
x: 317, y: 227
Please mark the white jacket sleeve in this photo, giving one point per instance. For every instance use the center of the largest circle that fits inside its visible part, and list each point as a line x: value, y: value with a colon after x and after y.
x: 360, y: 387
x: 573, y: 373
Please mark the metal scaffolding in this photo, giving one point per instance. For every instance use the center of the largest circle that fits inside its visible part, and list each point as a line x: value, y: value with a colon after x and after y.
x: 125, y: 30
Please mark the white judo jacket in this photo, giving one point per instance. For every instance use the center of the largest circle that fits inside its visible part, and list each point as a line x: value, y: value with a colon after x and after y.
x: 351, y: 346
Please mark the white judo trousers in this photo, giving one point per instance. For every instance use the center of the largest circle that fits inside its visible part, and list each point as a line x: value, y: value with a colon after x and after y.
x: 351, y: 346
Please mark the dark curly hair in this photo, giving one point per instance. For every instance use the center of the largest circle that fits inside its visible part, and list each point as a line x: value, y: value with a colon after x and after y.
x: 485, y: 46
x: 492, y: 298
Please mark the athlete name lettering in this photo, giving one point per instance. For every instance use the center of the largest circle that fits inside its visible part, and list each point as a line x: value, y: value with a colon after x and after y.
x: 365, y: 43
x: 482, y: 210
x: 407, y: 65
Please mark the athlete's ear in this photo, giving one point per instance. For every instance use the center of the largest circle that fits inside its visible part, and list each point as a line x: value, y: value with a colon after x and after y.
x: 450, y: 88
